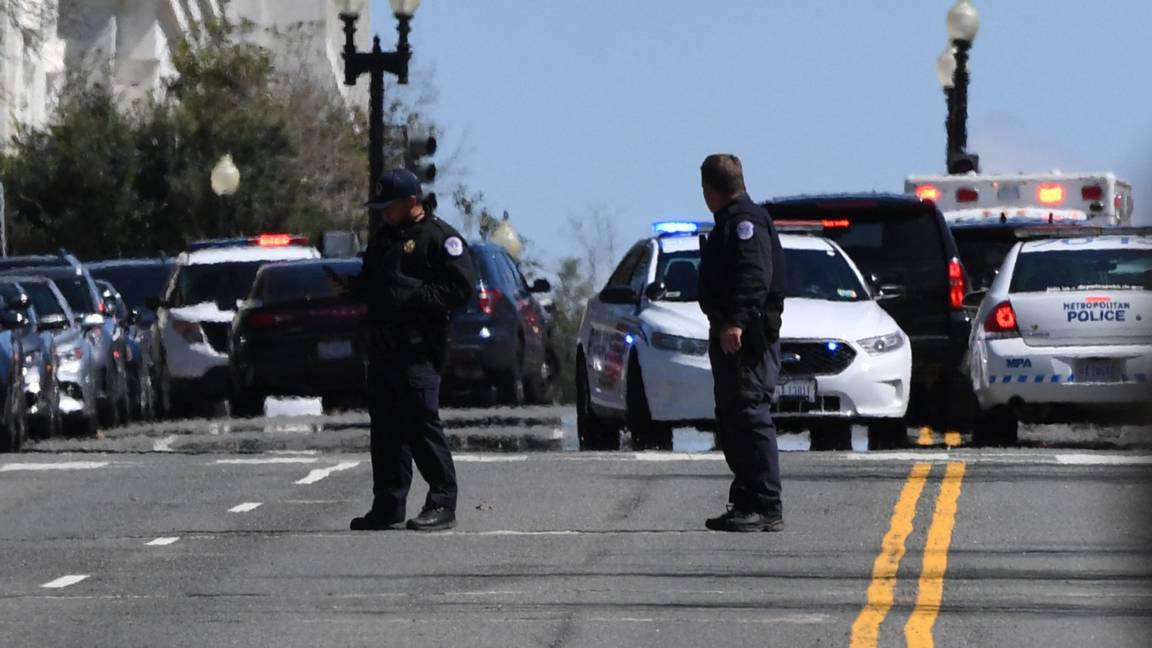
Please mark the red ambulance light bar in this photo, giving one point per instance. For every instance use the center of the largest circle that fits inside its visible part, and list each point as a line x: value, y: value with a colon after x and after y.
x: 928, y: 192
x: 1050, y: 194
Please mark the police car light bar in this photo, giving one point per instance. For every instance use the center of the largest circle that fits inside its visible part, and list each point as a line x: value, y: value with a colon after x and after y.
x: 1079, y: 231
x: 263, y: 240
x: 668, y: 228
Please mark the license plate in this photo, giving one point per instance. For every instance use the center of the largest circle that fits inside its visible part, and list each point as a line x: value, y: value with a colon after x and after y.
x: 1099, y: 370
x: 803, y: 389
x: 337, y: 350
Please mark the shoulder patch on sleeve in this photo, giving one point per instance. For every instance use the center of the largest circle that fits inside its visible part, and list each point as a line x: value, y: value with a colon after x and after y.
x: 745, y: 230
x: 454, y: 246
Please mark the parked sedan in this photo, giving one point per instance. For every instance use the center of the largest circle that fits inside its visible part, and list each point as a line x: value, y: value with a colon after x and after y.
x: 501, y: 340
x: 75, y: 358
x: 13, y: 413
x: 295, y: 336
x: 141, y: 395
x: 41, y: 385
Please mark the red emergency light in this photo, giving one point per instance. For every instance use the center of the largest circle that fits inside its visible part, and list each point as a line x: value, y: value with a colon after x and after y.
x: 1050, y: 194
x: 833, y: 223
x: 278, y: 240
x: 1092, y: 193
x: 928, y: 192
x: 967, y: 195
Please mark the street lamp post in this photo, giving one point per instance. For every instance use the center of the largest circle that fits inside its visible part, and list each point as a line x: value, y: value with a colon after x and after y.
x: 375, y: 63
x: 225, y: 182
x: 952, y: 72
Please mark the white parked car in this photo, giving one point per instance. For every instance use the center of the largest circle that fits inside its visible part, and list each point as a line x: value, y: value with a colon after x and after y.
x: 195, y: 316
x: 642, y: 351
x: 1063, y: 334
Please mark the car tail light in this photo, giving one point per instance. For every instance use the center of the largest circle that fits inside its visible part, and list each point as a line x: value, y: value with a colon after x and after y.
x: 1092, y: 193
x: 835, y: 223
x: 530, y: 316
x: 957, y: 285
x: 928, y: 192
x: 1002, y: 320
x: 967, y: 195
x: 1050, y: 194
x: 488, y: 298
x: 1118, y: 202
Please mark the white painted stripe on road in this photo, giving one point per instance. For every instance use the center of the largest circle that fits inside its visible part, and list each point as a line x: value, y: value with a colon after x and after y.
x: 269, y: 460
x: 677, y: 456
x: 63, y: 465
x: 320, y: 473
x: 492, y: 458
x: 165, y: 444
x: 65, y: 581
x: 1101, y: 460
x: 163, y: 542
x: 293, y: 452
x: 896, y: 456
x: 245, y: 507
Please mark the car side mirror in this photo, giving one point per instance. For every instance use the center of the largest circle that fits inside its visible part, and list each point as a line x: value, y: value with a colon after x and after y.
x: 655, y: 291
x: 19, y: 302
x: 541, y: 286
x: 891, y: 293
x: 13, y: 320
x: 618, y: 295
x: 973, y: 299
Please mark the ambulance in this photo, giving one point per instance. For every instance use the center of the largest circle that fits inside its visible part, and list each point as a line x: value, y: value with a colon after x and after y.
x: 985, y: 212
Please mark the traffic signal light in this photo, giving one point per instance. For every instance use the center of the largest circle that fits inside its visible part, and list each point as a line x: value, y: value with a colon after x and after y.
x: 417, y: 150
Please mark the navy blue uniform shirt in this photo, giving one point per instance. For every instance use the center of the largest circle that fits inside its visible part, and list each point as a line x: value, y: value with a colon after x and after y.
x: 741, y: 265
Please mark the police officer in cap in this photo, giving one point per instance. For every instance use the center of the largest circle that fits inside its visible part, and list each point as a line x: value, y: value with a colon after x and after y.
x: 741, y: 272
x: 417, y: 269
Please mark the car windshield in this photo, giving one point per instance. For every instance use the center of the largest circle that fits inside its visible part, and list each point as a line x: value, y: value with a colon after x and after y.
x: 811, y: 274
x: 136, y: 283
x: 43, y: 300
x: 217, y: 282
x: 1082, y: 270
x: 982, y: 250
x: 76, y: 291
x: 302, y: 281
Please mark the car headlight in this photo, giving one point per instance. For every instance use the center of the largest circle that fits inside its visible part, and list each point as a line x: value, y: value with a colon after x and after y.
x: 690, y: 346
x: 190, y: 331
x: 882, y: 343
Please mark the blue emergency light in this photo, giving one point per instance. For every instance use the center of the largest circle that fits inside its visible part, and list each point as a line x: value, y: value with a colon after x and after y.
x: 665, y: 228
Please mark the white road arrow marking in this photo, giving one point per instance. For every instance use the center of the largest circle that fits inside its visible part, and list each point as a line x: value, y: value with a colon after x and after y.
x: 65, y: 581
x: 320, y: 473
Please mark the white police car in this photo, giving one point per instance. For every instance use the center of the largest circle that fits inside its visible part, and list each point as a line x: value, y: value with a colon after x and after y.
x: 1064, y: 333
x: 642, y: 351
x: 195, y: 316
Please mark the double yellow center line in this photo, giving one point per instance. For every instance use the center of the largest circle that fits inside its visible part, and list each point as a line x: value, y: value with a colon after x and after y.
x: 881, y: 591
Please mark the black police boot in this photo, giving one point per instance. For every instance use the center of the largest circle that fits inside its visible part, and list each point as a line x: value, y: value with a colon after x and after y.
x: 373, y: 522
x: 433, y: 518
x: 745, y: 521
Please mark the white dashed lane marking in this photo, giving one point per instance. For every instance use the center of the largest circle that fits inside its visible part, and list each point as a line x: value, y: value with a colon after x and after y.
x: 65, y: 581
x: 320, y: 473
x: 245, y: 507
x: 271, y: 460
x: 163, y: 542
x: 63, y: 465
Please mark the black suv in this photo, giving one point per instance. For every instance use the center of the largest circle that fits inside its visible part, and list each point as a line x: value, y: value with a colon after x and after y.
x: 907, y: 250
x: 501, y: 338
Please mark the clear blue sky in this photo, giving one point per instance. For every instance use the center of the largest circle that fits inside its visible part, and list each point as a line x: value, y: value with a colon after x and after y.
x: 563, y: 106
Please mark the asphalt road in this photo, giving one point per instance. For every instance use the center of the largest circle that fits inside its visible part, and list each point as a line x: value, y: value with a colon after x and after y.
x: 950, y: 548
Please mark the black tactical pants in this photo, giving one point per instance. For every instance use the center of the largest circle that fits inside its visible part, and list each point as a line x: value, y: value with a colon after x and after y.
x: 404, y: 404
x: 743, y: 384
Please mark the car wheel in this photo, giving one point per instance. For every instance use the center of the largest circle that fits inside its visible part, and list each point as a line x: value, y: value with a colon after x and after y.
x: 997, y: 427
x: 834, y: 435
x: 889, y: 434
x: 510, y: 385
x: 646, y: 433
x: 592, y: 432
x: 542, y: 389
x: 15, y: 431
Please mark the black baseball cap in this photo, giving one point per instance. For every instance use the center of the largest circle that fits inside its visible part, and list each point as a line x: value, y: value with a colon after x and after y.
x: 393, y: 185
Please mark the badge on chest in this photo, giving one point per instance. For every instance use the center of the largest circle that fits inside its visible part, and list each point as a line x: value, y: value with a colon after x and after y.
x: 409, y: 246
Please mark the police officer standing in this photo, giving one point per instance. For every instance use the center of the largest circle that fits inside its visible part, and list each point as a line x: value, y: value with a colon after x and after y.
x: 741, y: 265
x: 417, y: 268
